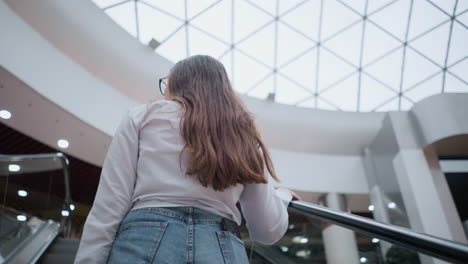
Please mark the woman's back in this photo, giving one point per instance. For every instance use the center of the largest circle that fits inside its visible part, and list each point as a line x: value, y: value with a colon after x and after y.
x: 161, y: 178
x: 197, y: 152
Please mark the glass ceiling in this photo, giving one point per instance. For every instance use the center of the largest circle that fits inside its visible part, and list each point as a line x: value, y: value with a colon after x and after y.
x: 356, y: 55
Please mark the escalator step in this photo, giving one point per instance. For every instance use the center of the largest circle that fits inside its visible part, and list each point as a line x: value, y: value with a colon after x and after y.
x: 64, y: 247
x: 58, y: 258
x: 57, y: 248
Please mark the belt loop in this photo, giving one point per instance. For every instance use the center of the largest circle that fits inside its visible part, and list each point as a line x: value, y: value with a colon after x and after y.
x: 190, y: 211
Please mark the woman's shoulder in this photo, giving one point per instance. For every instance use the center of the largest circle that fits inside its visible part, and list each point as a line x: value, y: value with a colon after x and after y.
x: 162, y: 107
x: 156, y: 105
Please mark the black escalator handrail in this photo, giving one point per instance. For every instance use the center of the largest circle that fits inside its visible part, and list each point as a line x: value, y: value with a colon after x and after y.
x: 427, y: 244
x: 45, y: 156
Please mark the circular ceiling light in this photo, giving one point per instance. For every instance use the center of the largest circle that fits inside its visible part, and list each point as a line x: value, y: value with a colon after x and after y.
x: 63, y: 143
x: 22, y: 193
x: 14, y: 167
x: 5, y: 114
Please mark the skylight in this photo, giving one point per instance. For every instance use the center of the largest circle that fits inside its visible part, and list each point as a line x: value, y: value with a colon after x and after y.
x: 359, y: 55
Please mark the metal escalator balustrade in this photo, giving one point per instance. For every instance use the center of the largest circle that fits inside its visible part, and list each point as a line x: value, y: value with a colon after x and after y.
x: 36, y: 205
x: 408, y: 241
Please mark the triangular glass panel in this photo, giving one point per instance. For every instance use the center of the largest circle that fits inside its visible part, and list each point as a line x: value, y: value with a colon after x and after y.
x: 446, y: 5
x: 289, y: 93
x: 460, y: 69
x: 373, y: 94
x: 200, y: 43
x: 124, y: 16
x: 331, y: 69
x: 417, y: 69
x: 154, y: 24
x: 311, y: 102
x: 358, y: 6
x: 462, y: 19
x: 377, y: 43
x: 426, y: 89
x: 263, y: 88
x: 325, y: 105
x: 290, y: 44
x: 106, y: 3
x: 261, y: 45
x: 458, y: 44
x: 405, y: 104
x: 386, y: 18
x: 454, y: 85
x: 344, y: 95
x: 462, y: 6
x: 173, y: 7
x: 247, y: 19
x: 175, y: 48
x: 289, y: 5
x: 434, y: 44
x: 216, y: 21
x: 226, y: 60
x: 350, y: 51
x: 195, y: 8
x: 392, y: 105
x: 305, y: 19
x: 247, y: 72
x: 377, y: 6
x: 388, y: 69
x: 303, y: 70
x: 336, y: 17
x: 424, y: 17
x: 265, y: 5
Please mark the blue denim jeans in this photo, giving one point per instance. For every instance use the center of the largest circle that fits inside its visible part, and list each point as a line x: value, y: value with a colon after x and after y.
x: 175, y: 235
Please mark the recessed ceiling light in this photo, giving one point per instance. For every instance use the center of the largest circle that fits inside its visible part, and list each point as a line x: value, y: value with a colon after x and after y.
x: 22, y: 193
x: 72, y: 207
x: 300, y: 240
x: 375, y: 240
x: 304, y: 253
x: 65, y: 213
x: 14, y: 167
x: 391, y: 205
x: 363, y: 260
x: 371, y: 207
x: 5, y: 114
x: 63, y: 143
x: 21, y: 217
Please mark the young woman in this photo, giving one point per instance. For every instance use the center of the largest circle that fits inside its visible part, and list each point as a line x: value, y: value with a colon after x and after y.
x: 173, y: 175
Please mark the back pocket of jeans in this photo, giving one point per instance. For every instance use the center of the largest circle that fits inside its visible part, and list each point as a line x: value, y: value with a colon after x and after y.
x: 232, y: 248
x: 137, y: 242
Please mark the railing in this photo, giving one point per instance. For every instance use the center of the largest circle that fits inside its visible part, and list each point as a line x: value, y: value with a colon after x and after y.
x: 427, y: 244
x: 66, y: 174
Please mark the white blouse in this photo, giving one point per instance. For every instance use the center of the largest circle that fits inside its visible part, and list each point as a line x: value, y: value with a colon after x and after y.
x: 142, y: 169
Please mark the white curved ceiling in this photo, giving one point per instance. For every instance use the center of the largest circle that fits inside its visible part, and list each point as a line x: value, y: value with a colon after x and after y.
x: 360, y: 55
x: 283, y: 126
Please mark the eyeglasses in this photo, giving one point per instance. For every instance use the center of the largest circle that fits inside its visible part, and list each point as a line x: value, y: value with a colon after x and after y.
x: 162, y: 85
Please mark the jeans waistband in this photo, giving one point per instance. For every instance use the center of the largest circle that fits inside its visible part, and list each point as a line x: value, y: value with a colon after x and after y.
x: 185, y: 213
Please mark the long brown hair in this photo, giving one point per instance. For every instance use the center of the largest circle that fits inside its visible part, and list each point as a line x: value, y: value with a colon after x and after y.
x: 219, y: 132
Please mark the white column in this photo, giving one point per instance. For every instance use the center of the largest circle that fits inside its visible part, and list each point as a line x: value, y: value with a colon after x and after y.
x: 340, y: 243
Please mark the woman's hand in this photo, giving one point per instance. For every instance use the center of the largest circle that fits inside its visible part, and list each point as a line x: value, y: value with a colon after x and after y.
x: 295, y: 197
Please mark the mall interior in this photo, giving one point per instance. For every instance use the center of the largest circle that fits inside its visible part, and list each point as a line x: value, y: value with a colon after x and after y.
x: 363, y: 105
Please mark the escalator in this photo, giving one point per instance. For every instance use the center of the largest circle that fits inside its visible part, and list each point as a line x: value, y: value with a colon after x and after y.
x: 39, y: 231
x: 403, y: 245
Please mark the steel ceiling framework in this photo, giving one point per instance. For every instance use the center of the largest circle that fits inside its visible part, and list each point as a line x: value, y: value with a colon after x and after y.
x: 359, y: 88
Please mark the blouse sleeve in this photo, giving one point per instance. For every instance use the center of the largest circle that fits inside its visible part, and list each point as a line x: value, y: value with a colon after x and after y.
x: 113, y: 196
x: 265, y: 212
